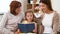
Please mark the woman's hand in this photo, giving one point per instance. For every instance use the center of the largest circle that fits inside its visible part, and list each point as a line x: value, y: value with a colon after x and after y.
x: 17, y: 32
x: 41, y: 29
x: 35, y: 31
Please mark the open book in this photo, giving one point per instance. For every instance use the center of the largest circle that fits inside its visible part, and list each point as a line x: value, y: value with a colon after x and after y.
x: 25, y: 28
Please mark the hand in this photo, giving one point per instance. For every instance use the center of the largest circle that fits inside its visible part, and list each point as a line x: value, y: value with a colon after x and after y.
x: 34, y: 30
x: 17, y: 32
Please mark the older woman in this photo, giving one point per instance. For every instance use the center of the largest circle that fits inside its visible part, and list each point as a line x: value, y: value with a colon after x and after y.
x: 50, y: 18
x: 8, y: 24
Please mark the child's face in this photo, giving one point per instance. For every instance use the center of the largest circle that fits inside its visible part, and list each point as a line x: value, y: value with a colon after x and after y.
x: 29, y: 17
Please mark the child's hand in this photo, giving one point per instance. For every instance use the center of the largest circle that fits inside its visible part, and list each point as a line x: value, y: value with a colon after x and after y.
x: 17, y: 32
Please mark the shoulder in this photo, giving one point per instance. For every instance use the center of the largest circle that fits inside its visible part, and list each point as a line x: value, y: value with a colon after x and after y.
x: 56, y: 17
x: 34, y: 22
x: 5, y: 14
x: 24, y: 21
x: 56, y: 14
x: 21, y: 14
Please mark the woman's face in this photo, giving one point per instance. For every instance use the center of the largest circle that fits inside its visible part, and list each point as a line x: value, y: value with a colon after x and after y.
x: 29, y: 17
x: 18, y: 10
x: 43, y: 7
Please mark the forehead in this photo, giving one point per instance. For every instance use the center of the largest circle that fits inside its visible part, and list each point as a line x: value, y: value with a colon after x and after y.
x: 29, y: 14
x: 42, y: 3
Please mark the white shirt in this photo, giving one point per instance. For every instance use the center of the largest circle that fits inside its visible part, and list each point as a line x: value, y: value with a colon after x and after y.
x: 47, y: 22
x: 9, y: 22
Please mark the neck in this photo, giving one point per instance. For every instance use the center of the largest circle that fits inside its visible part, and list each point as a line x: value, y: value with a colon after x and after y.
x: 29, y: 21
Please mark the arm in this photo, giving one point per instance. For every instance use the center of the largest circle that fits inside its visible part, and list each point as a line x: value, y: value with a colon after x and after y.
x: 35, y: 30
x: 3, y: 21
x: 55, y: 23
x: 3, y: 24
x: 41, y: 29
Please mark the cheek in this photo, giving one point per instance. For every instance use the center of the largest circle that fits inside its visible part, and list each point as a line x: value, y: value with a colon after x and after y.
x: 31, y: 17
x: 27, y: 18
x: 44, y: 8
x: 17, y: 11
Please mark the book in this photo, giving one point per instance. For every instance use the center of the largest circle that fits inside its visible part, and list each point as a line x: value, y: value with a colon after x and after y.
x: 25, y: 28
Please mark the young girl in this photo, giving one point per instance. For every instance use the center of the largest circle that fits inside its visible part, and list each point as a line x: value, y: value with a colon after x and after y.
x: 29, y: 18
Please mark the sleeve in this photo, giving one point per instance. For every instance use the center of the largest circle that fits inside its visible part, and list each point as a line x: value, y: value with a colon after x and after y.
x: 35, y: 30
x: 3, y: 22
x: 55, y: 23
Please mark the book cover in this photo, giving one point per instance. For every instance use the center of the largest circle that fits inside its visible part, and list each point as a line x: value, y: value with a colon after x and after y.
x: 25, y: 28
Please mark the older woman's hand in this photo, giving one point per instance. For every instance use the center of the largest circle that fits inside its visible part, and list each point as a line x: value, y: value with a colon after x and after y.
x: 17, y: 32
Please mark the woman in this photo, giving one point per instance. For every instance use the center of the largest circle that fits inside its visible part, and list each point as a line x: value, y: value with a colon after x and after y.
x: 8, y: 25
x: 50, y: 18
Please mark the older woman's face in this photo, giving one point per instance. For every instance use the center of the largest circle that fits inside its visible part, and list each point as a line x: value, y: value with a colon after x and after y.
x: 43, y: 7
x: 18, y: 10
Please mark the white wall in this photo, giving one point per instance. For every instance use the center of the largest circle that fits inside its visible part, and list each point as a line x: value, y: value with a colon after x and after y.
x: 4, y: 7
x: 56, y: 5
x: 24, y: 4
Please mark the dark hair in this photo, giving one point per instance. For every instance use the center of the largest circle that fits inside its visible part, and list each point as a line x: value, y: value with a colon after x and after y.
x: 13, y: 6
x: 30, y: 11
x: 48, y: 3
